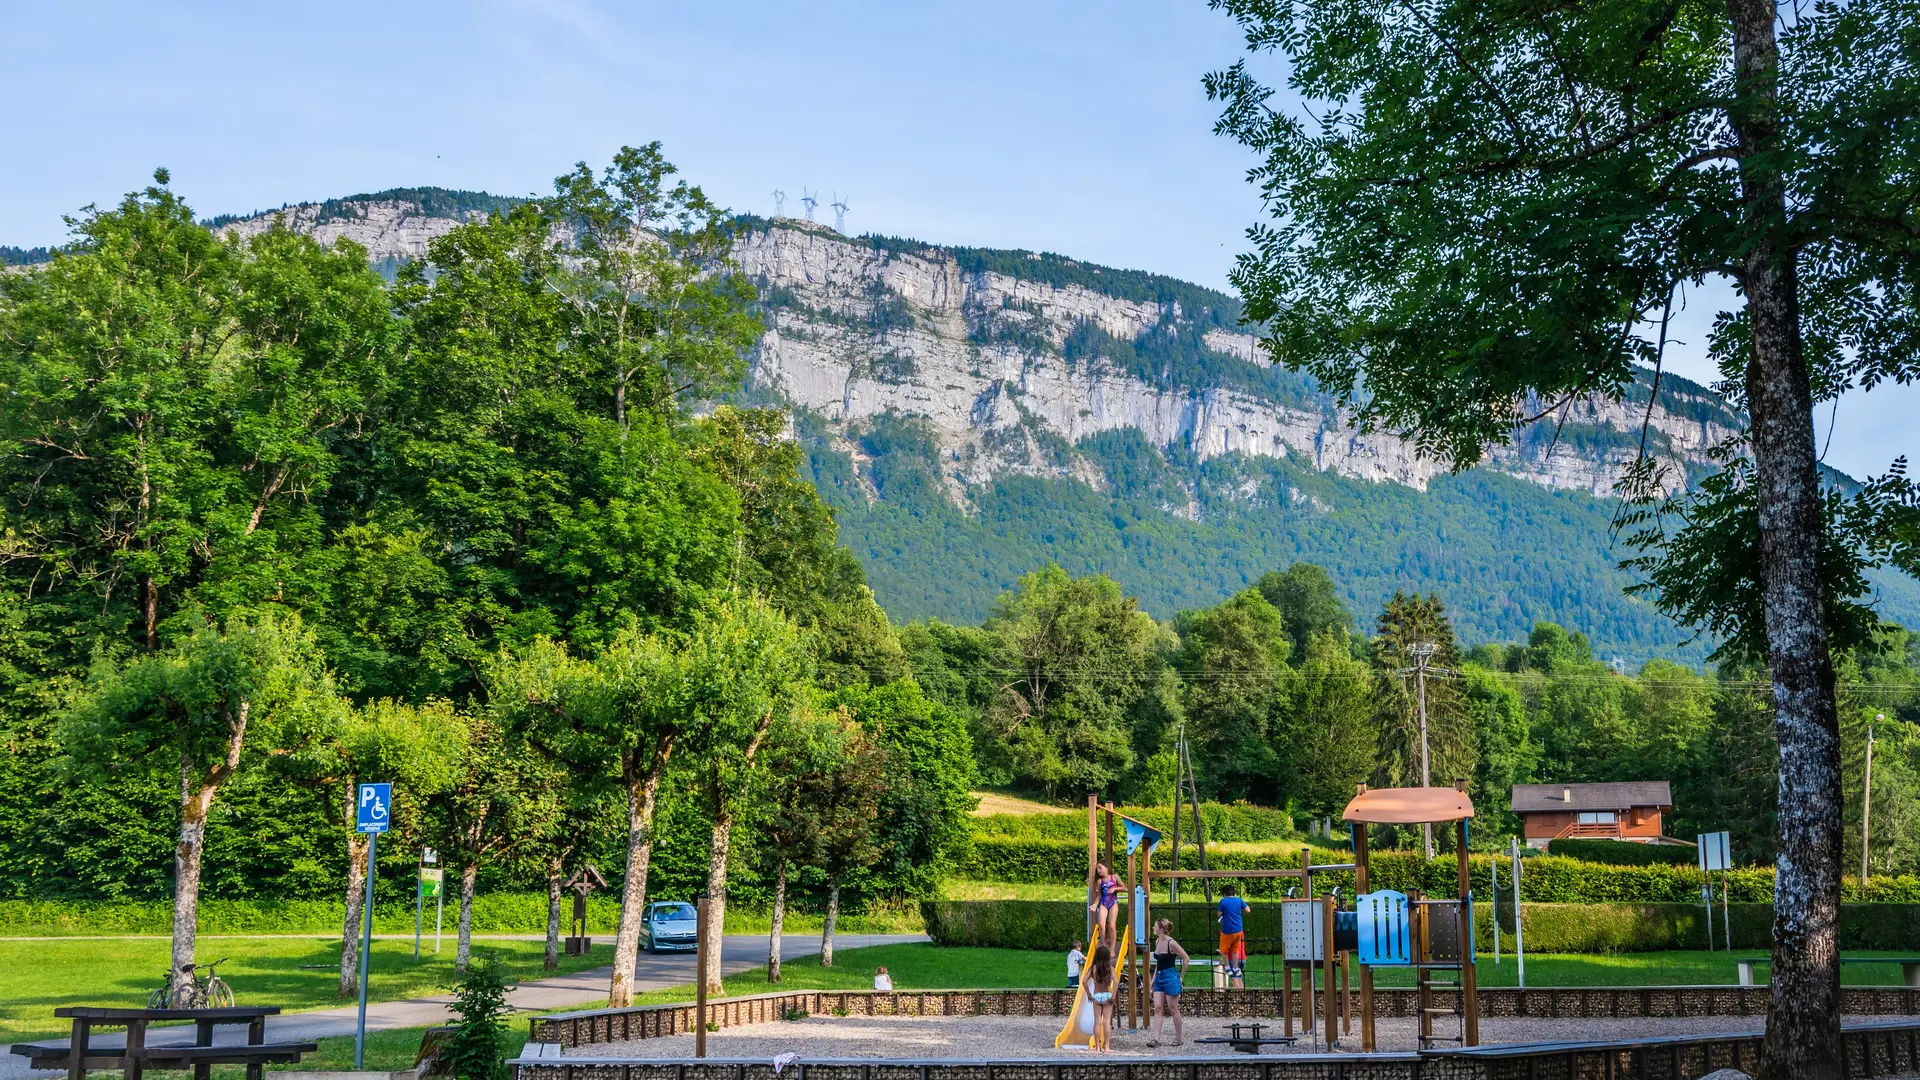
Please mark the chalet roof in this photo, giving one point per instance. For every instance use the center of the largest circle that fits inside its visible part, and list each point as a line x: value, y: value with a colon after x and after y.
x: 1536, y: 798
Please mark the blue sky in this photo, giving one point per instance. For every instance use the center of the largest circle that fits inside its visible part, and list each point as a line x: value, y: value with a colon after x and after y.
x: 1075, y: 127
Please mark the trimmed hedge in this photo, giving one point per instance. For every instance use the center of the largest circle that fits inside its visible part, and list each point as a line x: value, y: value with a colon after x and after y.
x: 1623, y: 853
x: 1550, y: 928
x: 1544, y: 878
x: 1226, y: 823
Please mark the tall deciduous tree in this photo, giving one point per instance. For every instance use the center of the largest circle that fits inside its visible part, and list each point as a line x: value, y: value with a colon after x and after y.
x: 1483, y: 212
x: 616, y: 719
x: 745, y: 667
x: 416, y: 749
x: 1074, y: 653
x: 1234, y: 660
x: 174, y: 403
x: 1307, y: 599
x: 203, y: 710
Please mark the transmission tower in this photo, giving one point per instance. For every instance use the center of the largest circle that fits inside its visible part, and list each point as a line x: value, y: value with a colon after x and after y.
x: 808, y: 200
x: 779, y: 203
x: 840, y: 209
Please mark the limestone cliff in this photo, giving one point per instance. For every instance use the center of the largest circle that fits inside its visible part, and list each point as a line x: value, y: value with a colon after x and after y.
x: 1009, y: 359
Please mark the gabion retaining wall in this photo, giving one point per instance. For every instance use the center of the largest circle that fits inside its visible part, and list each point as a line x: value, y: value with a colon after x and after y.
x: 1581, y: 1003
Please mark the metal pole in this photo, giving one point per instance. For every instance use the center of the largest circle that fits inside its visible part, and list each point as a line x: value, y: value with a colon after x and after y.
x: 1421, y: 652
x: 1726, y: 920
x: 419, y: 908
x: 1493, y: 899
x: 1866, y: 805
x: 700, y: 983
x: 1519, y: 933
x: 366, y: 958
x: 439, y: 908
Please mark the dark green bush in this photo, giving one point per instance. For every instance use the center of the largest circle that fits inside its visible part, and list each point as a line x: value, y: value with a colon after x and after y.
x: 1621, y: 853
x: 477, y: 1047
x: 1225, y: 822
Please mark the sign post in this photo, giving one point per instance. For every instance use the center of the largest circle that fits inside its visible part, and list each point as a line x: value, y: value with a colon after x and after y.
x: 1519, y: 935
x: 372, y: 815
x: 1713, y: 853
x: 430, y: 881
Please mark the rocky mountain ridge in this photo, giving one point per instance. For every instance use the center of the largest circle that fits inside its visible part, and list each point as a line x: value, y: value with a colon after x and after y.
x: 1007, y: 360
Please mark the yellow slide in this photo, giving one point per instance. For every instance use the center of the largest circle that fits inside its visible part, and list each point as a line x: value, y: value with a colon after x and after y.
x: 1079, y: 1029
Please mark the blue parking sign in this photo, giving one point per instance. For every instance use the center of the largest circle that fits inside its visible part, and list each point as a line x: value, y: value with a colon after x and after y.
x: 373, y: 812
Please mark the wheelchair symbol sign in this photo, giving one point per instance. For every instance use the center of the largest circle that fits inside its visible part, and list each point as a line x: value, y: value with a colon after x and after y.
x: 372, y: 812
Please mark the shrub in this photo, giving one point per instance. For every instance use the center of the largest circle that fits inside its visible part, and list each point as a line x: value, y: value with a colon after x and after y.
x: 1227, y: 823
x: 1621, y: 853
x: 477, y: 1047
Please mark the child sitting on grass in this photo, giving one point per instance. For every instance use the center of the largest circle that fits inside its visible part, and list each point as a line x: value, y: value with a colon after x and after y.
x: 882, y: 982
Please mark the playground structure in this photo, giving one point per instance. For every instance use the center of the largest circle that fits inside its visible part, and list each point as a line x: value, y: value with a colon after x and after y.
x: 1385, y: 929
x: 1408, y: 930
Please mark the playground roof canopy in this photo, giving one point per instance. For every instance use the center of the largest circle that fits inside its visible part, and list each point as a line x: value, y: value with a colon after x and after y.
x: 1409, y: 806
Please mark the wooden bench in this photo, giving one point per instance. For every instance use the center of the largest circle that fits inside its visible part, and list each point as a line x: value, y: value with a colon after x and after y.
x: 135, y: 1055
x: 1248, y: 1041
x: 1909, y: 967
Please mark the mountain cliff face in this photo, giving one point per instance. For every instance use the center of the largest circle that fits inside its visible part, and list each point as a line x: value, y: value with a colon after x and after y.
x: 972, y: 414
x: 1009, y: 360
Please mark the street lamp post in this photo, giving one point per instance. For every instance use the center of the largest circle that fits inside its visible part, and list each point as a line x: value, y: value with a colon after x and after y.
x: 1422, y: 652
x: 1866, y: 799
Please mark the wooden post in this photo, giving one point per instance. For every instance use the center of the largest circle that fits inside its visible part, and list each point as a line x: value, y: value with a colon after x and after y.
x: 1127, y: 961
x: 1199, y: 824
x: 700, y: 978
x: 1173, y: 884
x: 1366, y: 971
x: 1309, y: 1004
x: 1093, y: 856
x: 1326, y: 972
x: 1469, y: 982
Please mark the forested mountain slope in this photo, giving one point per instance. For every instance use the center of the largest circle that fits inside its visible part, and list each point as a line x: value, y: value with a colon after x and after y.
x: 972, y: 413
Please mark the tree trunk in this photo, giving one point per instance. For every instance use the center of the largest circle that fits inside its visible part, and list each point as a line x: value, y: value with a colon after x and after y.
x: 356, y: 900
x: 464, y: 950
x: 1803, y: 1021
x: 195, y: 799
x: 554, y: 871
x: 826, y: 928
x: 779, y: 919
x: 717, y: 895
x: 642, y: 794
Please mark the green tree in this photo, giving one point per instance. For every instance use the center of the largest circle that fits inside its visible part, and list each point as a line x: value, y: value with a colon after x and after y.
x: 1491, y: 219
x: 845, y: 799
x: 799, y: 750
x: 1233, y: 659
x: 745, y: 667
x: 1504, y: 745
x: 928, y: 794
x: 205, y: 710
x: 175, y: 405
x: 1076, y: 653
x: 1447, y: 750
x: 1330, y: 723
x: 416, y: 749
x: 618, y: 718
x: 1307, y: 599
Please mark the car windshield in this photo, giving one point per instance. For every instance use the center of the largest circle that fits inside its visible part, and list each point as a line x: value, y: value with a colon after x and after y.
x: 673, y: 912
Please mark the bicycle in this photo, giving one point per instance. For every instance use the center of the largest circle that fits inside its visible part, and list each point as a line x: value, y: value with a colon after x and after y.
x: 211, y: 992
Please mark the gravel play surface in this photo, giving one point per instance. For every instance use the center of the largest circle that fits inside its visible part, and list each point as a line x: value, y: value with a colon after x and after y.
x: 1023, y: 1037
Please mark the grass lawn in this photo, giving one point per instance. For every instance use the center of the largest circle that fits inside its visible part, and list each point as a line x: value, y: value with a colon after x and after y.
x: 41, y: 975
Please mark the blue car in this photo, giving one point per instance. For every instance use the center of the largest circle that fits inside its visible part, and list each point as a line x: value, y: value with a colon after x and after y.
x: 669, y: 926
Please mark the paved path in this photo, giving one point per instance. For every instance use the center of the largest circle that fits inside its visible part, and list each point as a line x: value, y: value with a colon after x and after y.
x: 740, y: 952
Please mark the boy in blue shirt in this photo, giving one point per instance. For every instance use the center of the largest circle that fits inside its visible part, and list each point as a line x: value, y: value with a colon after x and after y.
x: 1233, y: 934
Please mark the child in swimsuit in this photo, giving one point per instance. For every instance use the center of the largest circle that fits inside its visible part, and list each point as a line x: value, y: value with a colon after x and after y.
x: 1105, y: 908
x: 1101, y: 983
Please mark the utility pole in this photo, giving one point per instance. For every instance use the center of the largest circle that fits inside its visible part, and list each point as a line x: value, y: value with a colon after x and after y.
x: 1422, y: 652
x: 1866, y: 800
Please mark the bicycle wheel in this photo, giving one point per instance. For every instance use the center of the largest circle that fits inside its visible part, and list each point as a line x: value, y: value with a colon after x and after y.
x: 219, y: 994
x: 158, y: 999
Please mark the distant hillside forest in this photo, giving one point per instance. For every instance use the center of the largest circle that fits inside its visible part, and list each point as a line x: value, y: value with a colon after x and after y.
x: 1181, y: 533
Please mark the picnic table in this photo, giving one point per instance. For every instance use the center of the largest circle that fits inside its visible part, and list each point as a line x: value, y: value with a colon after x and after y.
x: 135, y: 1055
x: 1909, y: 967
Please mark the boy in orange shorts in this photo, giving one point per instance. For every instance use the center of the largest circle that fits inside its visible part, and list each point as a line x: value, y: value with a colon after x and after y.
x: 1233, y: 935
